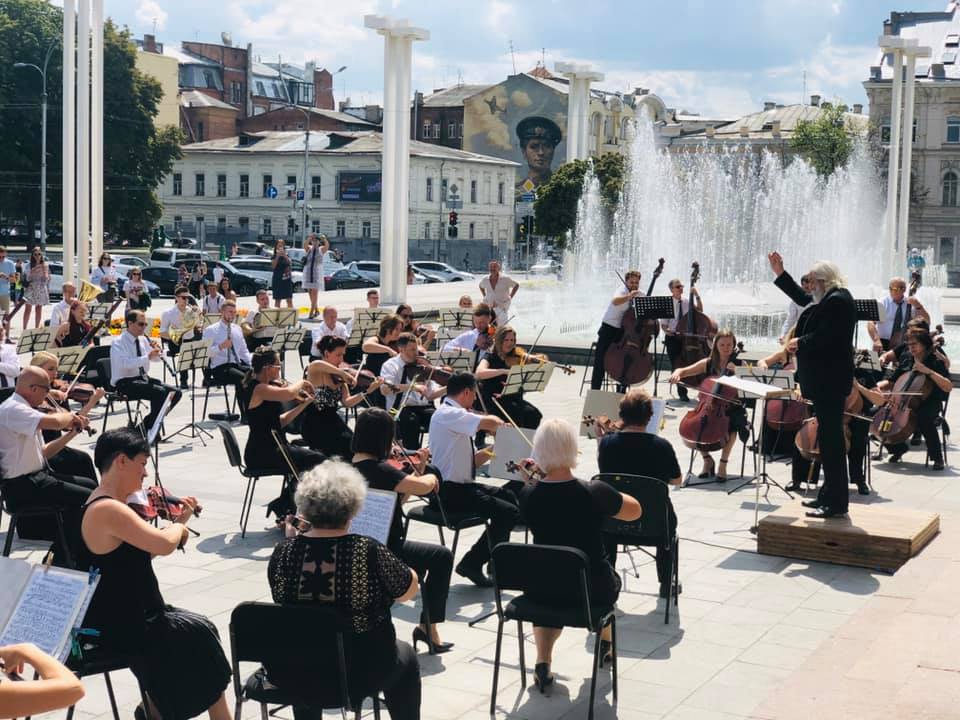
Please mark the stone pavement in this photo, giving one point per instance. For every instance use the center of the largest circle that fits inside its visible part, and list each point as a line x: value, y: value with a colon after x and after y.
x: 754, y: 636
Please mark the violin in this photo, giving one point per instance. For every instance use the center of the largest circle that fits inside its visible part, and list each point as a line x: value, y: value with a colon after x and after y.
x: 896, y: 420
x: 485, y: 339
x: 422, y: 370
x: 707, y: 426
x: 628, y: 360
x: 601, y: 425
x: 900, y: 334
x: 518, y: 357
x: 161, y: 504
x: 49, y: 405
x: 79, y: 392
x: 696, y: 331
x: 527, y: 469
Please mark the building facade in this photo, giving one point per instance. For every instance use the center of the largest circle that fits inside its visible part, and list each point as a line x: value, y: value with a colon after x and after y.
x: 165, y: 70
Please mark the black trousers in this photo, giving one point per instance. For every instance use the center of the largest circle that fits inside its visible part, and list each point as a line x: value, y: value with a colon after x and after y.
x: 70, y: 461
x: 232, y: 374
x: 524, y: 413
x: 44, y: 489
x: 663, y: 557
x: 254, y: 342
x: 498, y: 504
x: 859, y: 431
x: 673, y: 347
x: 433, y: 565
x: 151, y: 390
x: 607, y: 335
x: 173, y: 349
x: 829, y: 411
x: 927, y: 415
x: 413, y: 420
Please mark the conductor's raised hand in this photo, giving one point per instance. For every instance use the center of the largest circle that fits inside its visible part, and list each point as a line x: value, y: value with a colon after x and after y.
x: 776, y: 263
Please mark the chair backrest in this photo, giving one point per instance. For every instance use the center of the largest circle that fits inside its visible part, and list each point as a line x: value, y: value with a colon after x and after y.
x: 103, y: 373
x: 5, y: 393
x: 230, y: 445
x: 654, y: 498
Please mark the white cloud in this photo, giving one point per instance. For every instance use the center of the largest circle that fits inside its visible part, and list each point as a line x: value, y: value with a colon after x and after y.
x: 833, y: 71
x: 501, y: 16
x: 150, y: 12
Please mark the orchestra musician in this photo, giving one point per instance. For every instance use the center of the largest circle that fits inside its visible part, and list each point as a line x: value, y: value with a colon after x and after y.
x: 452, y: 429
x: 213, y: 301
x: 380, y: 348
x: 479, y: 339
x: 895, y: 355
x: 130, y: 357
x: 60, y: 310
x: 72, y: 332
x: 329, y: 326
x: 672, y: 340
x: 372, y: 446
x: 825, y: 370
x: 230, y: 359
x: 400, y: 389
x: 177, y: 318
x: 424, y: 333
x: 722, y: 361
x: 611, y: 326
x: 254, y: 330
x: 465, y: 302
x: 898, y: 309
x: 322, y: 426
x: 793, y: 311
x: 492, y: 372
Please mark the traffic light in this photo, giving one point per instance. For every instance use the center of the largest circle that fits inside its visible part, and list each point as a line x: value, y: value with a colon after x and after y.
x: 452, y: 231
x: 453, y: 219
x: 523, y: 229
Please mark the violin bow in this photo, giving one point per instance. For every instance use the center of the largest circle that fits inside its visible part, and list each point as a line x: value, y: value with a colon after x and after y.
x: 707, y: 392
x: 511, y: 421
x: 530, y: 351
x: 163, y: 490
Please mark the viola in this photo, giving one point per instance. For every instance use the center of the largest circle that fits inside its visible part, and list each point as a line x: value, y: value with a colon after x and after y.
x: 896, y: 420
x: 628, y: 360
x: 527, y: 469
x: 161, y: 504
x: 696, y: 331
x: 707, y: 426
x: 900, y: 334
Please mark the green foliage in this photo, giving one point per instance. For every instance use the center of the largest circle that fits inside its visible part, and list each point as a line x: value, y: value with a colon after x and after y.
x: 827, y: 142
x: 136, y: 154
x: 556, y: 205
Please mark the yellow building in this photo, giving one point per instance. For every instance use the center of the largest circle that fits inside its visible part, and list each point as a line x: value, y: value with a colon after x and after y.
x: 165, y: 69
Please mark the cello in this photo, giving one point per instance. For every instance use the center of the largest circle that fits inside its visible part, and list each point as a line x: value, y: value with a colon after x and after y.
x: 900, y: 334
x: 628, y: 360
x: 696, y: 331
x: 897, y: 419
x: 807, y: 438
x: 707, y: 426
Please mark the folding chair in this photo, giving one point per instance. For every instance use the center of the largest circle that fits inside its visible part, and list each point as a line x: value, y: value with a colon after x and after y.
x: 51, y: 511
x: 432, y: 513
x: 113, y: 396
x: 209, y: 383
x: 97, y: 661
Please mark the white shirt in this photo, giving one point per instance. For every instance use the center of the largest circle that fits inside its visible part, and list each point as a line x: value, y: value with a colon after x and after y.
x: 173, y: 317
x: 614, y: 314
x: 59, y: 314
x: 218, y: 334
x: 217, y: 274
x: 124, y: 361
x: 9, y: 365
x: 21, y: 444
x: 680, y: 308
x: 338, y: 330
x: 793, y: 314
x: 212, y: 305
x: 451, y: 441
x: 885, y: 328
x: 498, y: 296
x: 392, y: 372
x: 104, y: 276
x: 268, y: 331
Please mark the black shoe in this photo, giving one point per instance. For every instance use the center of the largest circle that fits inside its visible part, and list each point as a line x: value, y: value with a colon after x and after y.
x: 862, y: 487
x: 938, y: 465
x: 794, y: 487
x: 476, y: 575
x: 542, y: 677
x: 915, y: 440
x: 895, y: 457
x: 419, y: 635
x: 811, y: 503
x: 825, y: 512
x: 665, y: 589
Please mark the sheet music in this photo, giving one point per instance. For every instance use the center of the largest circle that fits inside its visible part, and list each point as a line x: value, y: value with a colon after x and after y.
x: 152, y: 434
x: 376, y: 515
x: 656, y: 420
x: 14, y: 574
x: 752, y: 388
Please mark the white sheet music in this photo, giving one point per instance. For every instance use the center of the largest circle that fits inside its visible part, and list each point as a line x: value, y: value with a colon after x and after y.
x: 752, y: 388
x: 376, y: 515
x: 14, y: 574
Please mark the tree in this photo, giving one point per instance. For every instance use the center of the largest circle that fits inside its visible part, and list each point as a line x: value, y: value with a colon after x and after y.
x: 556, y: 205
x: 827, y: 142
x: 136, y: 154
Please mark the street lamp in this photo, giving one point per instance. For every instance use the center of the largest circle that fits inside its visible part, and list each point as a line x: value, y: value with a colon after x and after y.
x: 43, y: 144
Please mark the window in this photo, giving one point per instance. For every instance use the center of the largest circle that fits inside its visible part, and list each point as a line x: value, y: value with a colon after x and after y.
x: 953, y: 129
x: 315, y: 227
x: 221, y: 224
x: 473, y: 191
x: 426, y: 130
x: 451, y: 130
x: 244, y: 186
x: 275, y: 88
x: 885, y: 131
x: 210, y: 79
x: 178, y: 184
x: 267, y: 226
x: 443, y: 190
x: 950, y: 181
x: 291, y: 186
x: 471, y: 228
x: 426, y: 230
x: 365, y: 229
x: 200, y: 184
x: 952, y: 40
x: 946, y: 251
x: 221, y: 185
x: 200, y: 131
x: 291, y: 226
x: 429, y: 189
x: 436, y: 130
x: 949, y: 58
x: 198, y: 224
x: 315, y: 187
x: 267, y: 182
x: 460, y: 130
x: 177, y: 223
x: 500, y: 193
x: 341, y: 228
x: 260, y: 90
x: 236, y: 94
x: 244, y: 223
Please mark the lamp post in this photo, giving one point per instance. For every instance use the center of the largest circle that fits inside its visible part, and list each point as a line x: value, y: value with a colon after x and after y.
x: 43, y: 143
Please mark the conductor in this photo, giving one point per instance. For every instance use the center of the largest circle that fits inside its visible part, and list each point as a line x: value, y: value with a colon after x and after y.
x: 823, y: 345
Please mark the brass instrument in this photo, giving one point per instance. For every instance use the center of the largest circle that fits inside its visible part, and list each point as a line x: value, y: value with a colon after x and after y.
x: 190, y: 319
x: 88, y: 291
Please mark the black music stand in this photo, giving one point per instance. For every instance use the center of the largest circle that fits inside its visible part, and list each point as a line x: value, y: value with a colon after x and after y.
x: 34, y: 340
x: 99, y: 312
x: 867, y: 309
x: 460, y: 362
x: 531, y: 377
x: 193, y: 356
x: 69, y: 359
x: 279, y: 317
x: 656, y: 308
x: 456, y: 318
x: 285, y: 339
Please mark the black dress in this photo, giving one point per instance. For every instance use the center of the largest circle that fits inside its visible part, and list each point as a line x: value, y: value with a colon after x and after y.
x: 736, y: 413
x: 132, y: 618
x: 323, y: 428
x: 374, y: 363
x: 524, y: 413
x: 282, y: 279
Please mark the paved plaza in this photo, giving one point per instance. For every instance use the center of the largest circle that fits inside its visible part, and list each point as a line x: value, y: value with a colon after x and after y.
x: 754, y: 636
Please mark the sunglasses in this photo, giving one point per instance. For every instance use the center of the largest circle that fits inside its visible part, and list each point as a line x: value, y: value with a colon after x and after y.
x: 140, y: 324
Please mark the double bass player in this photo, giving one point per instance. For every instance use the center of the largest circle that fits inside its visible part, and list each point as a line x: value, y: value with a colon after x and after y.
x: 611, y: 326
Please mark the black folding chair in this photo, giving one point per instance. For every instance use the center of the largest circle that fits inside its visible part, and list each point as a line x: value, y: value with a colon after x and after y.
x: 653, y: 529
x: 563, y: 571
x: 55, y: 512
x: 97, y: 661
x: 113, y: 396
x: 322, y: 645
x: 210, y: 384
x: 433, y: 513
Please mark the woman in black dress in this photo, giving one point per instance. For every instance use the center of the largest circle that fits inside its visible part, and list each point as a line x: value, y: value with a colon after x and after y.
x: 128, y: 609
x: 266, y: 392
x: 72, y: 332
x: 361, y: 578
x: 372, y: 445
x: 380, y: 348
x: 492, y: 372
x: 559, y: 509
x: 322, y: 426
x: 282, y: 275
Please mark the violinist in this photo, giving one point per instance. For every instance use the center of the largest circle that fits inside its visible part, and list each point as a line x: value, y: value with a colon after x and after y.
x: 898, y: 309
x: 920, y: 358
x: 479, y: 339
x: 672, y: 340
x: 380, y: 348
x: 323, y: 428
x: 425, y: 333
x: 611, y: 326
x: 412, y: 399
x: 465, y: 302
x: 329, y: 326
x: 492, y: 371
x: 76, y: 328
x: 372, y: 445
x: 722, y: 361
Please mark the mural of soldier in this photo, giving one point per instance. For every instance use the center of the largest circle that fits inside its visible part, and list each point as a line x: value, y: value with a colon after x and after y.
x: 538, y: 138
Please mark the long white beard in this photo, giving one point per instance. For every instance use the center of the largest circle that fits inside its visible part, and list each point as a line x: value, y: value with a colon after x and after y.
x: 818, y: 294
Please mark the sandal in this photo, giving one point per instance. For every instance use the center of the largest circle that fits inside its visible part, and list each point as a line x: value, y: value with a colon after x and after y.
x: 722, y: 476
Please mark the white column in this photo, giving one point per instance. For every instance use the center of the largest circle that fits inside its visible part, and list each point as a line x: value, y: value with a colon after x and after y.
x: 394, y: 206
x: 83, y: 140
x: 69, y: 139
x: 578, y: 107
x: 96, y: 132
x: 900, y: 260
x: 893, y: 160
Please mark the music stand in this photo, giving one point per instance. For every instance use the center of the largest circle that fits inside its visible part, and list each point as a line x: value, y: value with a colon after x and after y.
x: 769, y: 376
x: 532, y: 377
x: 762, y: 392
x: 34, y: 339
x: 656, y: 308
x: 459, y: 362
x: 279, y: 317
x: 369, y: 317
x: 285, y: 339
x: 867, y: 309
x: 69, y: 359
x: 456, y: 318
x: 208, y: 320
x: 193, y: 356
x: 99, y: 312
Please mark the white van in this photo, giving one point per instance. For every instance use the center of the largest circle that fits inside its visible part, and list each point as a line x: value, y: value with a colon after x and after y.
x: 173, y: 257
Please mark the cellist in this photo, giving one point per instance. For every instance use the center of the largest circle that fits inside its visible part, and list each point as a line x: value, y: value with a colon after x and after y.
x: 672, y: 340
x: 611, y: 326
x: 722, y: 361
x: 920, y: 358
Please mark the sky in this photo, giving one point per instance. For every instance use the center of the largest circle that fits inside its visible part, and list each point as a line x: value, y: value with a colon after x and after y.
x: 718, y: 59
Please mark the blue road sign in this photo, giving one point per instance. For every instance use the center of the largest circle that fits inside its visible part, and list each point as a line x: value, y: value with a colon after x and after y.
x: 528, y: 197
x: 272, y: 192
x: 299, y: 194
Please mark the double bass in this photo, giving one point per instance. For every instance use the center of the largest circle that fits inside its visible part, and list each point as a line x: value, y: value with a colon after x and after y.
x: 696, y: 331
x: 900, y: 334
x: 628, y: 360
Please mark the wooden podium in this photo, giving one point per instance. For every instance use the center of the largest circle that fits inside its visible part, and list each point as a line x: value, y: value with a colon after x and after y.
x: 872, y: 536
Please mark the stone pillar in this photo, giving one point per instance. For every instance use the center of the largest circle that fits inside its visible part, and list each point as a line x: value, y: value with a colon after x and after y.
x: 395, y: 201
x: 69, y: 137
x: 96, y: 132
x: 578, y: 107
x: 900, y: 258
x: 83, y: 139
x: 893, y: 155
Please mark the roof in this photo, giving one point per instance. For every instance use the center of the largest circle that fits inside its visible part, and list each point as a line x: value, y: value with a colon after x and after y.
x: 259, y: 68
x: 452, y: 97
x: 187, y: 58
x: 195, y: 98
x: 335, y: 143
x: 760, y: 124
x: 340, y: 116
x: 930, y: 29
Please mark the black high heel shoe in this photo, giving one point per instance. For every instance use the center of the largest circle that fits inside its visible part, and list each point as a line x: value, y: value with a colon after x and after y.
x: 709, y: 469
x: 542, y: 677
x: 419, y: 635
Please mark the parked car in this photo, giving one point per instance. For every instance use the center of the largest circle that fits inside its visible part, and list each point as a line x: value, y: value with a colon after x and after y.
x: 369, y: 269
x: 345, y: 279
x: 166, y: 278
x: 130, y: 260
x: 249, y: 247
x: 445, y: 272
x: 546, y: 267
x: 169, y: 257
x: 261, y: 269
x: 242, y: 283
x: 56, y: 281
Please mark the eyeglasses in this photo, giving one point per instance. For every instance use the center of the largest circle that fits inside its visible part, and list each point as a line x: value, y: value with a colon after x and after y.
x: 140, y: 324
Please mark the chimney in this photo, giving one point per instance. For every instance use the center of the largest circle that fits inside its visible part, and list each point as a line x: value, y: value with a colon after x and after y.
x: 149, y: 43
x: 775, y: 128
x: 875, y: 72
x: 936, y: 70
x: 744, y: 131
x: 858, y: 109
x: 815, y: 101
x: 710, y: 131
x: 769, y: 105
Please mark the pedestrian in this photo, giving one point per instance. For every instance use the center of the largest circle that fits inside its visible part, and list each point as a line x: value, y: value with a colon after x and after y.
x: 37, y: 292
x: 282, y: 275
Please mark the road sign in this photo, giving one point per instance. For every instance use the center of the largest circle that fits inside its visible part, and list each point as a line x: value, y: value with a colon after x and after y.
x: 528, y: 185
x: 454, y: 204
x: 523, y: 209
x: 528, y: 197
x: 272, y: 192
x: 299, y: 194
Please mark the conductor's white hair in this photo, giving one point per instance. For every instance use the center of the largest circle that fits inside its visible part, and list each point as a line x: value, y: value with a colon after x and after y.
x: 330, y: 494
x: 555, y: 445
x: 829, y: 273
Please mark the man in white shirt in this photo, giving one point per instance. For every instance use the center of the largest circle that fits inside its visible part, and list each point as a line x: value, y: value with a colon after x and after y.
x: 899, y: 310
x: 256, y: 334
x: 611, y: 326
x: 130, y: 358
x: 452, y: 429
x: 417, y: 397
x: 478, y: 340
x: 230, y: 359
x: 671, y: 341
x: 793, y: 311
x: 8, y: 271
x: 61, y: 310
x: 498, y: 291
x: 174, y: 318
x: 213, y: 300
x: 329, y: 326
